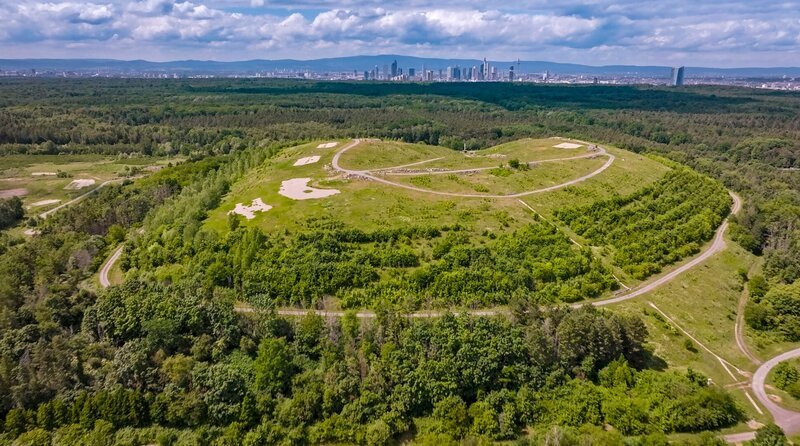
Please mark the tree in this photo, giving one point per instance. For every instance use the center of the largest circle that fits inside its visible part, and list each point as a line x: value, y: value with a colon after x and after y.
x: 451, y: 412
x: 273, y: 366
x: 11, y: 211
x: 769, y: 435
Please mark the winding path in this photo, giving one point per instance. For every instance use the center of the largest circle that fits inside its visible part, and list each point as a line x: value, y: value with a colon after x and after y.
x: 717, y: 245
x: 104, y: 282
x: 788, y: 420
x: 368, y: 175
x: 81, y: 197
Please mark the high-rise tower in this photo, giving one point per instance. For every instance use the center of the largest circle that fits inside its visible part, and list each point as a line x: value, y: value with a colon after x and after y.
x: 676, y: 77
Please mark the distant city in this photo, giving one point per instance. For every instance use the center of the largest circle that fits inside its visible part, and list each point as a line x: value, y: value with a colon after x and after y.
x: 423, y: 70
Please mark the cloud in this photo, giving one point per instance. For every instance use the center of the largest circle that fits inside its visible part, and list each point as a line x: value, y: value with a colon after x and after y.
x: 600, y: 31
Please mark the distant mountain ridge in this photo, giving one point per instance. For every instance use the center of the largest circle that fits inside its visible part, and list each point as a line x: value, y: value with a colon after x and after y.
x: 362, y: 63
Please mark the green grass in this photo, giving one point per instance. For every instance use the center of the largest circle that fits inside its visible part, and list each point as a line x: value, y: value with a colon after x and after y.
x: 363, y: 204
x: 16, y: 172
x: 507, y: 181
x: 369, y: 205
x: 703, y: 302
x: 629, y: 173
x: 785, y: 399
x: 383, y: 154
x: 372, y: 155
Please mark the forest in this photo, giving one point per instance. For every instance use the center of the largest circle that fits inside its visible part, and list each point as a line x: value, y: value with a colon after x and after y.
x: 655, y: 226
x: 166, y: 359
x: 405, y: 268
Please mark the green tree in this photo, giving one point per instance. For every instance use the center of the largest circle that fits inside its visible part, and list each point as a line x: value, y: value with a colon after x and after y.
x: 273, y: 366
x: 769, y: 435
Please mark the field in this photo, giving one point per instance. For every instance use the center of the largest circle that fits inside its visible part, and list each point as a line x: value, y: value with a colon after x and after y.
x: 702, y: 302
x: 48, y: 180
x: 367, y: 204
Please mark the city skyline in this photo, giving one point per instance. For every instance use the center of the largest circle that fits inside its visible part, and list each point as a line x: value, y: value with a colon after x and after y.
x: 721, y: 34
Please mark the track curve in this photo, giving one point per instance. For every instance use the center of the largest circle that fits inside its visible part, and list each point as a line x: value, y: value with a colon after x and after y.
x: 104, y: 282
x: 368, y: 175
x: 786, y: 419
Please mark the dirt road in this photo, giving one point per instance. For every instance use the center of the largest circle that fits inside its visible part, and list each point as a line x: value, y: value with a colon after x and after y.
x: 368, y: 175
x: 717, y: 245
x: 81, y: 197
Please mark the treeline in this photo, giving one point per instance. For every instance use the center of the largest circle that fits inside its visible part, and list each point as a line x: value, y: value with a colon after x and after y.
x: 42, y: 296
x: 655, y: 226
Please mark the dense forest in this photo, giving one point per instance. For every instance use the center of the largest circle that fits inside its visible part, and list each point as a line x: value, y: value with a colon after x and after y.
x: 655, y: 226
x: 166, y: 359
x: 409, y: 267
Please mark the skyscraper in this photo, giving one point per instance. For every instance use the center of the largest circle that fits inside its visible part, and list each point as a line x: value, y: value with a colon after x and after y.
x: 394, y: 68
x: 677, y: 76
x: 412, y: 72
x: 486, y: 73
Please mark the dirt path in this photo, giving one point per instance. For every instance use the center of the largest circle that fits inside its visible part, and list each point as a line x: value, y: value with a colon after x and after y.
x: 81, y: 197
x: 104, y: 282
x: 717, y: 245
x: 368, y: 175
x: 739, y: 328
x: 480, y: 169
x: 788, y: 420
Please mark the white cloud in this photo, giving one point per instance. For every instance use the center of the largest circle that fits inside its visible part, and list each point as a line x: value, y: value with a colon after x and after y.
x: 571, y: 30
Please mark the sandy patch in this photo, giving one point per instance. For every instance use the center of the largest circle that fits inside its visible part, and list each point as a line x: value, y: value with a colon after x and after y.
x: 43, y: 174
x: 298, y: 189
x: 79, y: 184
x: 8, y: 193
x: 249, y: 212
x: 32, y: 232
x: 328, y: 145
x: 568, y: 145
x: 44, y: 203
x: 307, y: 160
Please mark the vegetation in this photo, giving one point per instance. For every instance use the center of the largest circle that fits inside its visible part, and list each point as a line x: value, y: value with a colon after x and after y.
x: 655, y: 226
x: 165, y: 358
x: 11, y: 211
x: 437, y: 266
x: 778, y: 310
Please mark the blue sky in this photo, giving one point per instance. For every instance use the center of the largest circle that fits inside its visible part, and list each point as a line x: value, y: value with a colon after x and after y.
x: 597, y: 32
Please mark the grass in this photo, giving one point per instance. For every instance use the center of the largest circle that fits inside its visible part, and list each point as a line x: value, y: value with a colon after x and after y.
x: 507, y: 181
x: 372, y: 155
x: 786, y: 400
x: 629, y: 173
x: 16, y: 172
x: 361, y: 203
x: 369, y: 205
x: 382, y: 154
x: 703, y: 302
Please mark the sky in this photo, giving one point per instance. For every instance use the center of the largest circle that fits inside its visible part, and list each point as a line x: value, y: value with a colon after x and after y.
x: 718, y: 33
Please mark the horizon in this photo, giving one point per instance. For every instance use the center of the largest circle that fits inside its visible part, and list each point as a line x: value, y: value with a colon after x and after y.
x: 355, y: 56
